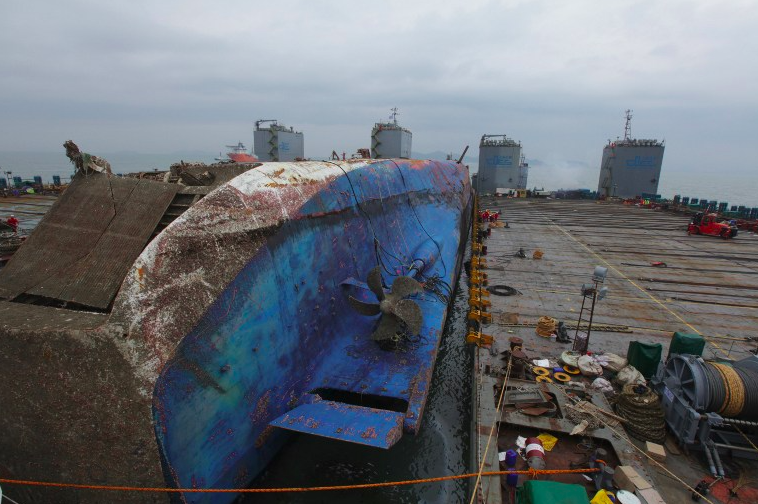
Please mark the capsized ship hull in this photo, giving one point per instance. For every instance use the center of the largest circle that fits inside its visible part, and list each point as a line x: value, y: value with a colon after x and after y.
x: 233, y: 326
x: 282, y: 349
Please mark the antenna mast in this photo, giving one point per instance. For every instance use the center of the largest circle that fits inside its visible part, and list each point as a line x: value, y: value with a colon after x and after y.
x: 393, y: 115
x: 628, y: 125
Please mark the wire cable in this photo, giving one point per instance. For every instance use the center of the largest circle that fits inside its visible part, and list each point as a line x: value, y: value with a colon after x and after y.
x: 413, y: 209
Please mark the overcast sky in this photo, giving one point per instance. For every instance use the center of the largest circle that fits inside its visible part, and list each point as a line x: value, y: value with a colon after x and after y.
x: 163, y: 75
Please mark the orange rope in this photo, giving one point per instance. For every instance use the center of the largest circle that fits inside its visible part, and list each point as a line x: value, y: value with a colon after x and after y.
x: 530, y: 472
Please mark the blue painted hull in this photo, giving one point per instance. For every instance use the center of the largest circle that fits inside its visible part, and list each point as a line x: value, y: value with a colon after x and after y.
x: 281, y: 334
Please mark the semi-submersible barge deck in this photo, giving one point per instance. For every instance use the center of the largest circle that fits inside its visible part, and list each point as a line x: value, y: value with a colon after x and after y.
x: 704, y: 285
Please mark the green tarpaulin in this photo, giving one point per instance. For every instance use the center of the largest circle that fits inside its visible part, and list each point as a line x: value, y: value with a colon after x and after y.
x: 689, y: 344
x: 551, y: 492
x: 645, y: 357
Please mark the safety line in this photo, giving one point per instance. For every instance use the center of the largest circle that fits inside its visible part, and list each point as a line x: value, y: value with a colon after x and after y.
x: 531, y: 472
x: 745, y: 436
x: 493, y: 429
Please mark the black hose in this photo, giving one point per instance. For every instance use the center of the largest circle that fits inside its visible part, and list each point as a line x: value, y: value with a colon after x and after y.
x: 502, y: 290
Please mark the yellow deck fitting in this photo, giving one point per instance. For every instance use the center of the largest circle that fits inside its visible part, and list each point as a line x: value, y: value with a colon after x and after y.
x: 562, y: 377
x: 479, y: 338
x: 477, y: 301
x: 480, y: 316
x: 478, y: 291
x: 540, y: 371
x: 479, y: 262
x: 545, y: 379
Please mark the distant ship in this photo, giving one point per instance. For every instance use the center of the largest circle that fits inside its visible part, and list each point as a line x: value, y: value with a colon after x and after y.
x: 238, y: 153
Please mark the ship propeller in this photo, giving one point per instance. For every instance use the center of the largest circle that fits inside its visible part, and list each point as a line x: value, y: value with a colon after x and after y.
x: 398, y: 314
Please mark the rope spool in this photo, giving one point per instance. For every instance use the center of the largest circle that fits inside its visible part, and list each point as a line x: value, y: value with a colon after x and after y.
x: 544, y: 379
x: 732, y: 390
x: 546, y: 326
x: 562, y: 377
x: 728, y: 389
x: 540, y: 371
x: 572, y: 370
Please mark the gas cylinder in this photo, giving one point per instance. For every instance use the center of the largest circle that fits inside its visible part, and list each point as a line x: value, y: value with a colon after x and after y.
x: 535, y: 453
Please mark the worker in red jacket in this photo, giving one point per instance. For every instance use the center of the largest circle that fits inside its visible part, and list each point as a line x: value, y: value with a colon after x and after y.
x: 13, y: 222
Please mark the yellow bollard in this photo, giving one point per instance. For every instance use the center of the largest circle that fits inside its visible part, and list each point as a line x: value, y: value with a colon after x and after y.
x: 479, y: 302
x: 478, y: 291
x: 480, y: 316
x: 478, y: 338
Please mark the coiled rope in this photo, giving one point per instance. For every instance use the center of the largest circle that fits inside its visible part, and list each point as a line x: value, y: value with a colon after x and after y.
x: 642, y: 408
x: 735, y: 392
x: 546, y: 326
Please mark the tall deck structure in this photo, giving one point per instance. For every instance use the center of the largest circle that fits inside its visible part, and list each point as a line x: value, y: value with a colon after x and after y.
x: 500, y: 165
x: 277, y: 142
x: 630, y: 167
x: 390, y: 140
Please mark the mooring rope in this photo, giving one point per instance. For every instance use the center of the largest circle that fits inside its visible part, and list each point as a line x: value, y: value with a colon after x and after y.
x: 530, y: 472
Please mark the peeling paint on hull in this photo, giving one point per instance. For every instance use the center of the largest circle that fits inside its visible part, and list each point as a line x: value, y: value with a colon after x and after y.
x: 283, y: 328
x: 236, y: 314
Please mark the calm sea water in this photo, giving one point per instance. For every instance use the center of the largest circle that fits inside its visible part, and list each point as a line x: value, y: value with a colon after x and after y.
x: 736, y: 190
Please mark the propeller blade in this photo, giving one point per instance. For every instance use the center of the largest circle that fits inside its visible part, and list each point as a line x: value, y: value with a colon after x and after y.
x: 410, y: 313
x: 374, y: 282
x: 364, y: 308
x: 404, y: 286
x: 387, y: 328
